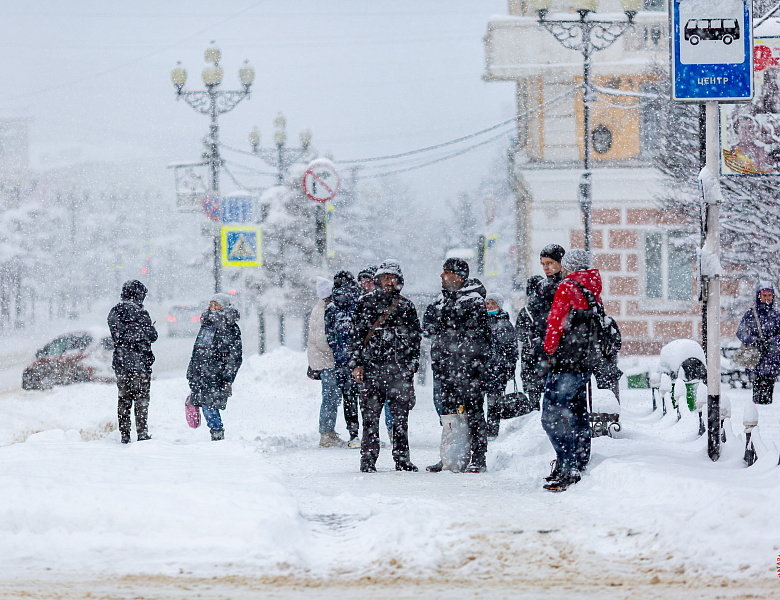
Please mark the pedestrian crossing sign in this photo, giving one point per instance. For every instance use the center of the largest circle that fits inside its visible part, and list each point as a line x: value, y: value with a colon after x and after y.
x: 242, y: 246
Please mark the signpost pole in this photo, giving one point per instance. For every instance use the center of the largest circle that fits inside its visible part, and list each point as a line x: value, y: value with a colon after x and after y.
x: 712, y: 247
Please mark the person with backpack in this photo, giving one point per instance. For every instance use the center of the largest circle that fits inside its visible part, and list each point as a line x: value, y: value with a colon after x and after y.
x: 760, y: 328
x: 338, y: 322
x: 530, y: 338
x: 501, y: 362
x: 216, y: 357
x: 571, y: 344
x: 384, y: 356
x: 133, y: 333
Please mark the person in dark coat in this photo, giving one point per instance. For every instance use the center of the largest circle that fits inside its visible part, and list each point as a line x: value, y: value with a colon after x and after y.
x: 338, y: 322
x: 384, y: 356
x: 501, y: 362
x: 530, y: 338
x: 571, y: 345
x: 216, y: 358
x: 463, y: 335
x: 133, y: 333
x: 766, y: 339
x: 550, y: 259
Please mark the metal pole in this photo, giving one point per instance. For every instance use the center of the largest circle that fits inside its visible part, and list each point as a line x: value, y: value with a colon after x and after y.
x: 280, y: 174
x: 260, y: 331
x: 585, y: 181
x: 702, y: 220
x: 214, y: 161
x: 712, y: 245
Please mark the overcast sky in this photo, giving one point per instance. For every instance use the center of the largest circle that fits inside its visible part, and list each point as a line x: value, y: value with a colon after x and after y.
x: 368, y: 77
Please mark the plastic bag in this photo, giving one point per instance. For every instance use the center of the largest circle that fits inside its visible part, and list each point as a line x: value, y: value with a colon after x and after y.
x: 192, y: 413
x: 455, y: 442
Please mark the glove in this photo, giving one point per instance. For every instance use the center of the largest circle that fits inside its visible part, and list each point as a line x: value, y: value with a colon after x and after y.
x: 227, y: 387
x: 415, y: 366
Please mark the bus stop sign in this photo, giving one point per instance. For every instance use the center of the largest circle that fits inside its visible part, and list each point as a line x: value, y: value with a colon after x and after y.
x: 712, y: 50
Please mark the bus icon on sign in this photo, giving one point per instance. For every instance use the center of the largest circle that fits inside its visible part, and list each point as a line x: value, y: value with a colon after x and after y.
x: 724, y: 30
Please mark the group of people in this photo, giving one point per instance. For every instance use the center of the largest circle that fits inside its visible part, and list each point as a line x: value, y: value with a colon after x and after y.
x: 364, y: 344
x: 216, y: 358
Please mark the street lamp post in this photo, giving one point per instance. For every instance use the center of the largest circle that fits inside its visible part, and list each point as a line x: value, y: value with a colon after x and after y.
x: 213, y: 102
x: 280, y: 156
x: 586, y: 35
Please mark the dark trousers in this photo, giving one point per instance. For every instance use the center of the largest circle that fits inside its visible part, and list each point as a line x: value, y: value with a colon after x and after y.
x: 493, y: 413
x: 133, y: 390
x: 566, y: 421
x: 763, y: 386
x: 349, y: 391
x: 465, y: 389
x: 398, y: 391
x: 533, y: 386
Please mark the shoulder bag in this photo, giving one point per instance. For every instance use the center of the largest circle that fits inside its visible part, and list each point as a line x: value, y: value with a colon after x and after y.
x: 749, y: 356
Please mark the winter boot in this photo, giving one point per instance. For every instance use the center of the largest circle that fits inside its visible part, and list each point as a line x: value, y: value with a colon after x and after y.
x: 354, y: 442
x: 217, y: 435
x: 476, y: 468
x: 563, y: 483
x: 143, y: 436
x: 367, y: 467
x: 331, y: 440
x: 555, y: 473
x: 125, y: 438
x: 437, y: 468
x: 406, y: 465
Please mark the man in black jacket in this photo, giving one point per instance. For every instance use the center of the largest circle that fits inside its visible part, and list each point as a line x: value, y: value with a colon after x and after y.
x: 460, y: 326
x: 384, y: 355
x: 133, y: 333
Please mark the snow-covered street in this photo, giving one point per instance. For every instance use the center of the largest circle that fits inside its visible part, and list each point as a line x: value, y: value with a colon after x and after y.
x: 268, y: 507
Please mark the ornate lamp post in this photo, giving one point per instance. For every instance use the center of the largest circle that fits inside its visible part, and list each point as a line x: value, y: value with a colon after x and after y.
x: 586, y: 35
x: 213, y: 102
x: 280, y: 157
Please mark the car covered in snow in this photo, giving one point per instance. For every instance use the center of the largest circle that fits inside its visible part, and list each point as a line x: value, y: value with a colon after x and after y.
x: 74, y: 357
x: 184, y: 319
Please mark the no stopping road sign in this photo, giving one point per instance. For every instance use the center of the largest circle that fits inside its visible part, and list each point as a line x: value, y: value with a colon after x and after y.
x: 321, y: 182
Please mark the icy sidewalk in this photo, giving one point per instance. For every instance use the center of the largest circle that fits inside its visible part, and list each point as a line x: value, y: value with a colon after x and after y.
x: 268, y: 501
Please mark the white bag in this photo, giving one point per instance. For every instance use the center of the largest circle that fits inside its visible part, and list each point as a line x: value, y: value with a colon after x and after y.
x: 455, y: 443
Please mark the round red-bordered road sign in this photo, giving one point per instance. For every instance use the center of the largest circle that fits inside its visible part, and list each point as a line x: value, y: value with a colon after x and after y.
x: 212, y: 207
x: 321, y: 181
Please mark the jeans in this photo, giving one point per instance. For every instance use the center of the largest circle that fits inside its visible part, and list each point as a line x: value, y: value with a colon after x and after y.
x: 331, y: 396
x: 566, y: 420
x: 213, y: 418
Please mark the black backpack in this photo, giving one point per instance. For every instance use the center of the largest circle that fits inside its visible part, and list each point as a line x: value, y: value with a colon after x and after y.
x: 607, y: 332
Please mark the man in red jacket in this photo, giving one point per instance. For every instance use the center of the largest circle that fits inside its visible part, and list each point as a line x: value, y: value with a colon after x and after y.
x: 570, y: 343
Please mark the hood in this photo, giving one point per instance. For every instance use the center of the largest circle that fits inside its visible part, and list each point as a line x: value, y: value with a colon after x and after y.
x: 390, y: 267
x: 764, y: 285
x: 472, y: 288
x: 135, y: 291
x: 345, y: 297
x: 589, y: 279
x: 220, y: 318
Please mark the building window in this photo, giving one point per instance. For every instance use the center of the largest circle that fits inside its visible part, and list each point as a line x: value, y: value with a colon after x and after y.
x: 655, y: 5
x: 669, y: 266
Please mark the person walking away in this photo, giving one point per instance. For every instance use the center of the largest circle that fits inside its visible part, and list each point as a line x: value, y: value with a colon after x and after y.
x: 571, y: 345
x: 501, y: 362
x: 323, y: 366
x: 550, y: 259
x: 760, y: 327
x: 531, y: 340
x: 216, y: 358
x: 384, y: 356
x: 464, y: 337
x: 367, y: 285
x: 133, y: 333
x: 338, y: 322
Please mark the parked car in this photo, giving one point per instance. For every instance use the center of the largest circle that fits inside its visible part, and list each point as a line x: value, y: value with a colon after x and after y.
x: 184, y: 320
x: 71, y: 358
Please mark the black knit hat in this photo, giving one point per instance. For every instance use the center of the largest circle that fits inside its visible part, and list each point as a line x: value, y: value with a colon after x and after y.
x: 368, y: 272
x: 553, y: 251
x: 457, y: 266
x: 343, y: 279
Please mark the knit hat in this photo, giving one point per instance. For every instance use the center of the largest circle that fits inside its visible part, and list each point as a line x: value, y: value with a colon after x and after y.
x: 324, y: 288
x: 389, y: 267
x: 553, y: 251
x: 576, y: 260
x: 368, y: 272
x: 224, y: 300
x: 497, y: 298
x: 343, y: 279
x: 457, y: 266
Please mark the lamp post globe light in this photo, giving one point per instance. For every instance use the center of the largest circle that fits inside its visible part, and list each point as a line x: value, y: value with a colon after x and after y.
x: 586, y: 35
x: 213, y: 102
x: 280, y: 156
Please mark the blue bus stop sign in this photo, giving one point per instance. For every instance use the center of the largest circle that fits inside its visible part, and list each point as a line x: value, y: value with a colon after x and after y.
x: 712, y: 50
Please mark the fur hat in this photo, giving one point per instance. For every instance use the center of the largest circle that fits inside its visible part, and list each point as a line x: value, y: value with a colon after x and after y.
x: 457, y: 266
x: 224, y: 300
x: 553, y: 251
x: 576, y: 260
x: 324, y: 288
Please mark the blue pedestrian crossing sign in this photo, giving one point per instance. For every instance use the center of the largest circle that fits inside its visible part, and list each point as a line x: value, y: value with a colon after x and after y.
x: 712, y: 50
x: 242, y: 246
